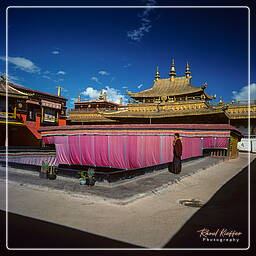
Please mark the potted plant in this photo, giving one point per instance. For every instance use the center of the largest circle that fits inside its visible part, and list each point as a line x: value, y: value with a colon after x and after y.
x: 90, y: 177
x: 83, y: 178
x: 44, y: 170
x: 52, y: 174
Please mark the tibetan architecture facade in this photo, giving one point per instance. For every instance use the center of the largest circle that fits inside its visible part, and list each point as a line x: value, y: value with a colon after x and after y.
x: 28, y: 110
x: 88, y: 112
x: 173, y: 100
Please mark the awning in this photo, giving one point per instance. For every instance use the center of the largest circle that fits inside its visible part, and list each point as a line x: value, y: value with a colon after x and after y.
x: 50, y: 104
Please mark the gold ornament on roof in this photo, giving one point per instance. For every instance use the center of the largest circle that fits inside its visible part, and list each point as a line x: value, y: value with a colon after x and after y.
x: 164, y: 98
x: 172, y: 73
x: 204, y: 85
x: 157, y: 76
x: 187, y: 71
x: 100, y: 96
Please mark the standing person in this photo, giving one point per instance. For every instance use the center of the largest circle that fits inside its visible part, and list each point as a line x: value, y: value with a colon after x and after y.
x: 177, y: 152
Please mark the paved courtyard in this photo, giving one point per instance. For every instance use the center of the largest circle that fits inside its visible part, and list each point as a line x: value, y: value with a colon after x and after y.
x: 142, y: 212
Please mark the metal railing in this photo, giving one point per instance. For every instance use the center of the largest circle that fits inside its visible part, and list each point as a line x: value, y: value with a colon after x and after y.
x: 8, y: 115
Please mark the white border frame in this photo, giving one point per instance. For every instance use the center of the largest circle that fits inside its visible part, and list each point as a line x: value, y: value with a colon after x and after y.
x: 132, y: 7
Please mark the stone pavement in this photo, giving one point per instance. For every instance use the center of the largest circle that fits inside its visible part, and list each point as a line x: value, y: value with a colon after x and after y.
x: 120, y: 192
x: 154, y: 221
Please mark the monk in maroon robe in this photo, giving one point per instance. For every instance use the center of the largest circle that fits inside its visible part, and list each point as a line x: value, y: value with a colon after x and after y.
x: 177, y: 153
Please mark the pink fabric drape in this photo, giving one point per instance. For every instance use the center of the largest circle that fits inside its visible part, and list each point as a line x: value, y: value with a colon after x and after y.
x: 151, y: 150
x: 208, y: 142
x: 101, y: 150
x: 87, y: 149
x: 61, y: 146
x: 192, y: 147
x: 74, y: 149
x: 133, y: 151
x: 222, y: 142
x: 128, y: 151
x: 116, y: 151
x: 166, y: 149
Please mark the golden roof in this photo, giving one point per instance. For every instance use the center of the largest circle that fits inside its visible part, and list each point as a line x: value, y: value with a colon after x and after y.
x: 168, y: 87
x: 12, y: 92
x: 162, y: 114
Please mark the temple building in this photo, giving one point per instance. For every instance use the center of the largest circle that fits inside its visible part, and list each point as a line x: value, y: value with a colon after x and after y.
x: 28, y: 110
x: 171, y: 100
x: 87, y: 112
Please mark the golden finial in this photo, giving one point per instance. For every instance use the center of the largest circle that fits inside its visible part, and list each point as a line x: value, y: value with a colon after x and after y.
x: 121, y: 100
x: 187, y: 71
x: 79, y: 97
x: 204, y: 85
x: 100, y: 96
x: 157, y: 76
x: 105, y: 96
x: 59, y: 90
x: 172, y: 73
x: 220, y: 101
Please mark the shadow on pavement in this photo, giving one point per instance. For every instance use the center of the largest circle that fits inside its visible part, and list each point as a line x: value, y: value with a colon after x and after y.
x: 227, y: 209
x: 25, y: 232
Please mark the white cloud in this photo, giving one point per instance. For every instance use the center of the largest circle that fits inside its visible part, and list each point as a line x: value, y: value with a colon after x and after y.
x: 127, y: 65
x: 96, y: 79
x: 103, y: 73
x: 91, y: 93
x: 145, y: 23
x: 23, y: 64
x: 61, y: 72
x: 46, y: 77
x: 113, y: 94
x: 139, y: 86
x: 124, y: 87
x: 56, y: 52
x: 245, y: 91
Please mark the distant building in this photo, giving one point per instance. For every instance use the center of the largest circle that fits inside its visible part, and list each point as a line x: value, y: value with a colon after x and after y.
x: 89, y: 112
x: 28, y: 110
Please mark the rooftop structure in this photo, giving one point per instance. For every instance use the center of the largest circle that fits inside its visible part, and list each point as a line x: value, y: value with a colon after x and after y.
x: 27, y: 111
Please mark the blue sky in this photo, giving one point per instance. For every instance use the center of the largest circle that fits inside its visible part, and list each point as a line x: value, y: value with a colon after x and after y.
x: 86, y: 50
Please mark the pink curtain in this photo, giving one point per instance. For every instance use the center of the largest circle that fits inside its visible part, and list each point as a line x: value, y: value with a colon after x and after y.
x: 133, y: 151
x: 116, y: 151
x: 192, y: 147
x: 127, y: 151
x: 222, y: 142
x: 74, y: 149
x: 62, y: 152
x: 87, y: 149
x: 166, y: 149
x: 208, y: 142
x: 151, y: 150
x: 101, y: 150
